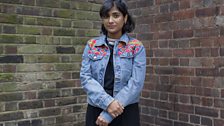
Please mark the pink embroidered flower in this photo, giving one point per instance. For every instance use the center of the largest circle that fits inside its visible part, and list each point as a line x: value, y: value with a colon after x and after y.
x: 97, y: 53
x: 119, y: 52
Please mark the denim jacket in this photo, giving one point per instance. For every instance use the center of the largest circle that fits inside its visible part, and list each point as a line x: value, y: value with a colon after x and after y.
x: 129, y: 61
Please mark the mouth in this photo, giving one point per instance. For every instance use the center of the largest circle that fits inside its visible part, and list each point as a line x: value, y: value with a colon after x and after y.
x: 111, y: 26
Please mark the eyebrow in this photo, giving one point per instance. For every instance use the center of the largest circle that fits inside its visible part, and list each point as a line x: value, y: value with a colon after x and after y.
x: 116, y: 12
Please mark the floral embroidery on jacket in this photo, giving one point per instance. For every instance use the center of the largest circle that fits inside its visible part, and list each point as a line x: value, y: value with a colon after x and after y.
x: 96, y: 50
x: 130, y: 49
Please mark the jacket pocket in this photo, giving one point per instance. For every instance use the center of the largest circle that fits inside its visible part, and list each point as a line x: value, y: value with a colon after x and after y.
x: 126, y: 55
x: 95, y: 57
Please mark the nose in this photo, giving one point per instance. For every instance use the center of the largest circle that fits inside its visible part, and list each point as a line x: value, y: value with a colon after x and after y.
x: 110, y: 19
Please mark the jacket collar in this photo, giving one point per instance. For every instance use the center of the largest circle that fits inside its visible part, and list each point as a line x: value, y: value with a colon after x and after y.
x: 102, y: 39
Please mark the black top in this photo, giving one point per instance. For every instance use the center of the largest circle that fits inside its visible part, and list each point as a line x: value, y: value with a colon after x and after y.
x: 109, y: 74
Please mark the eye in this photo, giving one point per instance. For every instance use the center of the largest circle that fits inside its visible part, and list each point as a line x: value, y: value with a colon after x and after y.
x: 116, y: 15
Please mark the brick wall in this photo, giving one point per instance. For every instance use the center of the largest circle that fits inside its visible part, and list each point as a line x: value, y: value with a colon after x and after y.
x: 41, y: 42
x: 185, y: 69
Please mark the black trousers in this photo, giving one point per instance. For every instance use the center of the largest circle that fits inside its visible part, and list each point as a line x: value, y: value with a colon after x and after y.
x: 130, y: 116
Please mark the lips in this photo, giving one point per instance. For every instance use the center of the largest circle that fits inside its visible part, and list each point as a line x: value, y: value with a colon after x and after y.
x: 111, y: 26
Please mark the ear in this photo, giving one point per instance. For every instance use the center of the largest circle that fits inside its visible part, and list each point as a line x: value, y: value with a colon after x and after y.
x: 125, y: 19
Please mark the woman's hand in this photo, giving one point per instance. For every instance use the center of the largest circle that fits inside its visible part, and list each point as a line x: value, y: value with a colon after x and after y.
x: 115, y: 109
x: 101, y: 122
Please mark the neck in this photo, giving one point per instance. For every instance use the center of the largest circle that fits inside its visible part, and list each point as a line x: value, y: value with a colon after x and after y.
x: 114, y: 36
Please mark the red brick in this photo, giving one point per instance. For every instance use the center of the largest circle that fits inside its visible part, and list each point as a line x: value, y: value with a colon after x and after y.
x: 46, y: 31
x: 219, y: 103
x: 154, y: 27
x: 222, y: 31
x: 184, y: 4
x: 164, y: 105
x: 174, y: 62
x: 207, y: 72
x: 164, y: 70
x: 203, y: 22
x: 147, y: 102
x: 208, y: 82
x: 173, y: 98
x: 203, y: 111
x: 222, y: 114
x: 144, y: 20
x: 222, y: 93
x: 163, y: 53
x: 183, y: 53
x: 164, y: 96
x: 196, y: 81
x: 184, y: 90
x: 209, y: 92
x: 148, y: 86
x: 183, y: 117
x: 182, y: 33
x: 184, y: 71
x: 206, y: 12
x: 203, y: 52
x: 165, y: 88
x: 221, y: 51
x: 195, y: 43
x: 182, y: 124
x: 206, y: 121
x: 145, y: 36
x: 144, y: 3
x: 148, y: 119
x: 30, y: 95
x: 195, y: 119
x: 145, y: 94
x: 195, y: 100
x: 49, y: 103
x: 163, y: 44
x: 10, y: 49
x: 207, y: 101
x: 163, y: 1
x: 174, y: 6
x: 165, y: 35
x: 180, y: 80
x: 164, y: 26
x: 184, y: 108
x: 184, y: 62
x: 221, y: 10
x: 218, y: 122
x: 208, y: 32
x: 9, y: 68
x: 184, y: 14
x: 163, y: 18
x: 215, y: 52
x: 184, y: 99
x: 163, y: 62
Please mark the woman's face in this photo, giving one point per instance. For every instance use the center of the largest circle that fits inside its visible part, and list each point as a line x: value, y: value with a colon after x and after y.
x: 114, y: 23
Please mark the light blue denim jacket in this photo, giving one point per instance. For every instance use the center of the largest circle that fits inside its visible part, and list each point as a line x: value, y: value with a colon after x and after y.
x: 129, y: 61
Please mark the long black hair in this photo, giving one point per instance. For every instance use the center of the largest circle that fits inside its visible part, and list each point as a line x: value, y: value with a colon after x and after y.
x: 129, y: 26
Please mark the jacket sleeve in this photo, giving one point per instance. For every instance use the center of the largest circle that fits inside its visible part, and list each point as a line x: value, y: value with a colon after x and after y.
x: 95, y: 92
x: 135, y: 84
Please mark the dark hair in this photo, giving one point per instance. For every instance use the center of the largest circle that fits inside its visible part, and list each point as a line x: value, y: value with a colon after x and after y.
x: 129, y: 26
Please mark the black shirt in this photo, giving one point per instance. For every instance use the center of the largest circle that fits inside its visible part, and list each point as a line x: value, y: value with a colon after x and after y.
x: 109, y: 74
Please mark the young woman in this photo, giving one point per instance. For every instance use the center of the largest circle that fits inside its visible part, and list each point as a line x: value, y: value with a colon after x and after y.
x: 113, y: 70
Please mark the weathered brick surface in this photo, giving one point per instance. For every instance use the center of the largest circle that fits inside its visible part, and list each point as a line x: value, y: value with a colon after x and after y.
x: 184, y: 44
x: 41, y: 45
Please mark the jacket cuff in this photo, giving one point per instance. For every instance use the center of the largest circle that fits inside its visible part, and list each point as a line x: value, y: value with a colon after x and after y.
x: 106, y: 116
x: 106, y: 102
